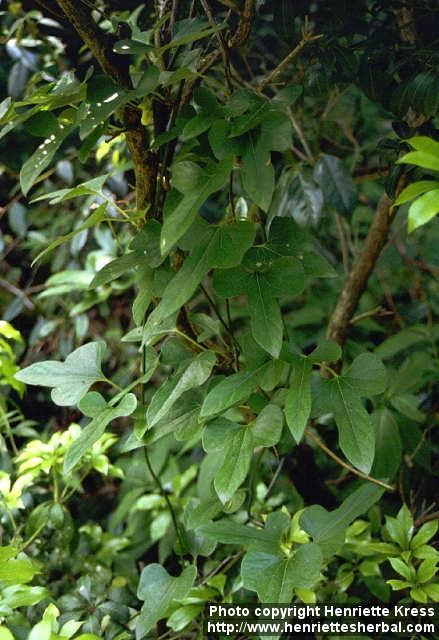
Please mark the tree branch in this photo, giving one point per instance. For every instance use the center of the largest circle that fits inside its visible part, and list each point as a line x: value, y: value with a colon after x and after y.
x: 357, y: 279
x: 306, y: 38
x: 117, y: 68
x: 239, y: 37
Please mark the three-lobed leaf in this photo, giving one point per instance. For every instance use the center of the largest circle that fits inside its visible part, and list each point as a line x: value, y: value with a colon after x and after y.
x: 70, y: 380
x: 159, y: 591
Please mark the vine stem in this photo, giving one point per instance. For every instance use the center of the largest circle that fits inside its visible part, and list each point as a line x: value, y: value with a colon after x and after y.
x: 35, y: 535
x: 9, y: 431
x: 10, y: 516
x: 344, y: 464
x: 306, y: 38
x: 166, y: 497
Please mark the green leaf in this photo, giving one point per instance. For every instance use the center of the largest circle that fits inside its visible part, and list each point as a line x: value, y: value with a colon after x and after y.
x: 423, y: 209
x: 425, y: 533
x: 418, y: 595
x: 420, y: 159
x: 231, y: 532
x: 5, y: 634
x: 316, y: 266
x: 274, y: 577
x: 432, y: 590
x: 328, y: 528
x: 401, y: 341
x: 367, y: 375
x: 217, y: 434
x: 18, y: 570
x: 265, y: 315
x: 407, y: 404
x: 276, y: 131
x: 286, y: 238
x: 71, y: 379
x: 233, y: 471
x: 233, y: 389
x: 400, y: 528
x: 43, y: 156
x: 299, y: 197
x: 190, y: 30
x: 91, y: 187
x: 298, y: 400
x: 283, y: 277
x: 231, y: 282
x: 415, y: 189
x: 250, y: 119
x: 400, y: 567
x: 8, y: 331
x: 388, y: 446
x: 194, y: 375
x: 337, y: 184
x: 355, y: 428
x: 267, y: 428
x: 159, y: 591
x: 131, y: 47
x: 42, y: 124
x: 257, y: 172
x: 427, y: 570
x: 326, y: 351
x: 145, y: 284
x: 220, y: 247
x: 147, y: 243
x: 183, y: 616
x: 93, y: 220
x: 41, y: 631
x: 23, y: 596
x: 104, y: 97
x: 196, y: 184
x: 96, y: 428
x: 116, y: 268
x: 425, y: 144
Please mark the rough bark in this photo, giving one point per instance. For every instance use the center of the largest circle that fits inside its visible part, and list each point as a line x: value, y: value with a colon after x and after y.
x: 116, y: 67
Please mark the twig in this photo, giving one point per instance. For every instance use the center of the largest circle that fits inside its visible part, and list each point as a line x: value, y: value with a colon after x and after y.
x: 174, y: 14
x: 221, y: 43
x: 217, y: 312
x: 298, y: 129
x: 373, y: 312
x: 344, y: 464
x: 275, y: 476
x: 230, y: 5
x: 426, y: 517
x: 18, y: 293
x: 306, y: 38
x: 227, y: 562
x: 166, y: 497
x: 239, y: 37
x: 343, y: 242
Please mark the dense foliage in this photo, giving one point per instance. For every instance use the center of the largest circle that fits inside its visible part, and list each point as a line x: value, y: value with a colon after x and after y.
x: 219, y: 300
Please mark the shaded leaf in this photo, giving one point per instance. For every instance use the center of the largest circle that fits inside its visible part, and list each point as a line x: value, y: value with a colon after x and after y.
x: 298, y: 400
x: 233, y: 389
x: 196, y: 185
x: 337, y: 184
